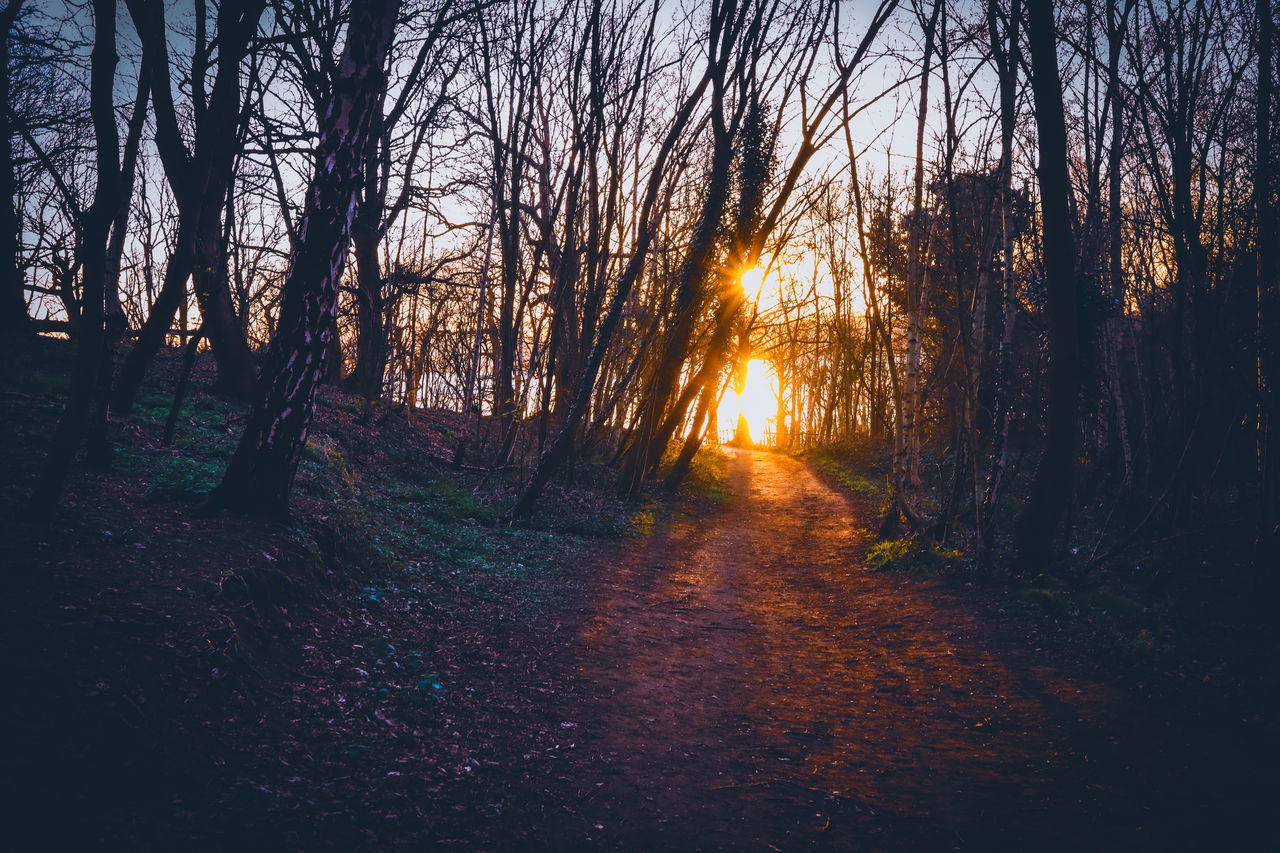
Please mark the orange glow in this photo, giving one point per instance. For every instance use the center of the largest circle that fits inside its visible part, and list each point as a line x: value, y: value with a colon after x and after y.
x: 758, y: 401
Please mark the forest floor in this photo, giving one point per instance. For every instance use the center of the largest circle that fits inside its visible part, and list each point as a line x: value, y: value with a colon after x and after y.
x: 398, y: 669
x: 753, y: 687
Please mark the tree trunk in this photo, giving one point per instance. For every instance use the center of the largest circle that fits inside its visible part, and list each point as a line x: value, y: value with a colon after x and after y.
x: 199, y: 182
x: 878, y: 329
x: 261, y: 473
x: 96, y: 223
x: 652, y: 434
x: 1051, y: 489
x: 706, y: 413
x: 706, y: 383
x: 171, y: 299
x: 1007, y: 52
x: 371, y: 336
x: 1113, y: 329
x: 510, y: 225
x: 14, y: 319
x: 917, y: 282
x: 755, y: 163
x: 98, y: 450
x: 237, y: 373
x: 1267, y: 526
x: 482, y: 306
x: 647, y: 217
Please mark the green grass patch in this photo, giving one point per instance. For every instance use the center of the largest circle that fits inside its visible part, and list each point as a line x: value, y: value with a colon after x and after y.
x: 912, y: 557
x: 186, y: 479
x: 847, y: 472
x: 331, y: 402
x: 42, y: 368
x: 707, y: 478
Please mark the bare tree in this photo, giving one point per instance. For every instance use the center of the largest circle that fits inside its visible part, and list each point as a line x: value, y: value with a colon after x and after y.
x: 377, y: 295
x: 1267, y: 440
x: 648, y: 219
x: 917, y: 288
x: 1051, y: 489
x: 260, y: 475
x: 96, y: 226
x: 199, y: 178
x: 14, y: 320
x: 1006, y: 53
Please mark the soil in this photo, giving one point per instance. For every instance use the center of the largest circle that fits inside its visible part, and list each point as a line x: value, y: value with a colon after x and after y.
x: 736, y: 680
x: 754, y: 688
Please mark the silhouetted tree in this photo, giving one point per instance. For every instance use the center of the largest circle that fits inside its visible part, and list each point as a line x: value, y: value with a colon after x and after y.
x: 261, y: 472
x: 199, y: 179
x: 14, y: 320
x: 1051, y: 489
x: 96, y: 226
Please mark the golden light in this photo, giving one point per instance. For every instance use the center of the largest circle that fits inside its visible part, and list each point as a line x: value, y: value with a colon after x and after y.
x: 753, y: 281
x: 757, y: 403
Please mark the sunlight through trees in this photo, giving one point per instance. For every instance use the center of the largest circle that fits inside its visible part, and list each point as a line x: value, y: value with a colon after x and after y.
x: 584, y: 224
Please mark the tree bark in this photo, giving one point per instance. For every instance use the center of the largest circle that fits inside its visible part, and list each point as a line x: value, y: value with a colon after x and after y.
x: 1051, y: 489
x: 1267, y: 525
x: 261, y: 473
x: 14, y: 319
x: 200, y: 182
x: 96, y: 223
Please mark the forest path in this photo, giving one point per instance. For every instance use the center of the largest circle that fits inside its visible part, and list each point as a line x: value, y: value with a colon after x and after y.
x: 752, y: 686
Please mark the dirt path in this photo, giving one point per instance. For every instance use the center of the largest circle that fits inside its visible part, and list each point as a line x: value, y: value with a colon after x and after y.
x: 755, y: 688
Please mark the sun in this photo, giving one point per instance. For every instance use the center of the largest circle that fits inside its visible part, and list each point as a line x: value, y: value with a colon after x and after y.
x: 752, y: 281
x: 757, y: 402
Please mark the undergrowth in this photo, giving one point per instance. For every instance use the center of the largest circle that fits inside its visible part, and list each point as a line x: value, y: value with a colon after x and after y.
x: 374, y: 502
x: 1165, y: 610
x: 913, y: 557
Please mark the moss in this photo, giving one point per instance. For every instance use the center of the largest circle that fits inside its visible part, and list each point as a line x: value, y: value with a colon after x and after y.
x: 152, y: 402
x: 337, y: 403
x: 642, y: 522
x: 323, y: 471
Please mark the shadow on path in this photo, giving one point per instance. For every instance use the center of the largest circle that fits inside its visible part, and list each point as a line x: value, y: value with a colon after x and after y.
x: 751, y: 686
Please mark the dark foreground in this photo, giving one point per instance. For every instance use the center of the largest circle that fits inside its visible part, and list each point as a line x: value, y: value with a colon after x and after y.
x: 752, y: 687
x: 735, y: 681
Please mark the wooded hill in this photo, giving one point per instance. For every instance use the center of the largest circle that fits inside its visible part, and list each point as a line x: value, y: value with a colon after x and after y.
x: 1058, y: 301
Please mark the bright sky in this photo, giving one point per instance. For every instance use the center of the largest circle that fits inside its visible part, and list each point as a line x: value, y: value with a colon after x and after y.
x: 758, y: 401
